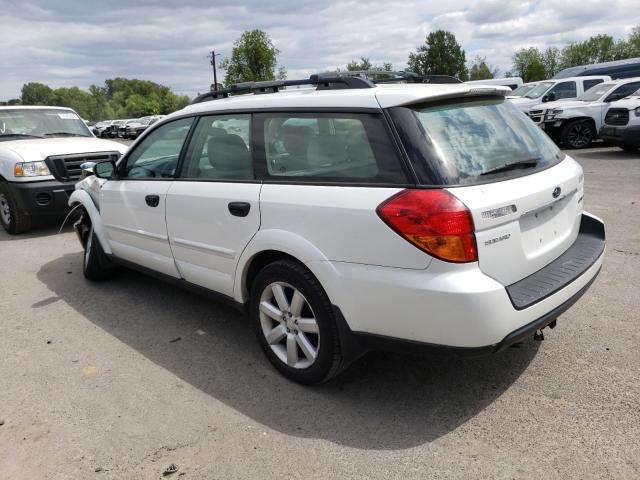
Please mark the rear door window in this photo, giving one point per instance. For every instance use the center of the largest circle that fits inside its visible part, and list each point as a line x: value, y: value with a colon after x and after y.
x: 591, y: 83
x: 472, y: 141
x: 219, y: 149
x: 332, y: 147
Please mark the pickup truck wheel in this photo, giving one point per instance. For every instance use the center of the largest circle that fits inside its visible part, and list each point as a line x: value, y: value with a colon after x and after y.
x: 578, y: 134
x: 95, y: 264
x: 13, y: 219
x: 295, y: 324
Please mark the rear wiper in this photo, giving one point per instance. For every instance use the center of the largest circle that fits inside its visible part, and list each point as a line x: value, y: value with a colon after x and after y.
x: 63, y: 134
x: 530, y: 162
x: 19, y: 135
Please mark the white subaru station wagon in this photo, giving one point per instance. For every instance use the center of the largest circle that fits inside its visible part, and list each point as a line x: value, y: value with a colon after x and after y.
x: 348, y: 216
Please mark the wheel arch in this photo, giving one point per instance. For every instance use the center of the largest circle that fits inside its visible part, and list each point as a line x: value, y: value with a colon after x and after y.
x: 83, y: 198
x: 268, y: 246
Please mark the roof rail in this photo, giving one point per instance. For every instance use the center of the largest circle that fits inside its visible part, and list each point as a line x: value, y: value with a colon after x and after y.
x: 322, y: 81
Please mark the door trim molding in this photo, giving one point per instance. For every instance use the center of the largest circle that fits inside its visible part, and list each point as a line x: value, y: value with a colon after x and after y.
x: 222, y: 252
x: 140, y: 233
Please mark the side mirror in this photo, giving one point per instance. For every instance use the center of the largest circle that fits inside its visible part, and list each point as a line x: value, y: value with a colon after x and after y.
x: 104, y: 170
x: 545, y: 99
x: 87, y: 169
x: 612, y: 98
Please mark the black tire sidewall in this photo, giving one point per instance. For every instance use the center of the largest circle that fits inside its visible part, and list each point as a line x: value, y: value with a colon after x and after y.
x: 297, y: 276
x: 94, y: 260
x: 19, y: 221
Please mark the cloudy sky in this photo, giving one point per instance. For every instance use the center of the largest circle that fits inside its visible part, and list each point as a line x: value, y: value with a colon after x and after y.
x: 67, y: 43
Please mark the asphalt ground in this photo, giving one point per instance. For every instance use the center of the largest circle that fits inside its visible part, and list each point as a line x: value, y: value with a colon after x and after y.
x: 120, y: 380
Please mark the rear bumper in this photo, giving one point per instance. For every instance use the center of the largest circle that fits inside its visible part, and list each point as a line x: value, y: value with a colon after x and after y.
x: 368, y: 341
x: 621, y: 135
x: 50, y: 197
x: 450, y: 306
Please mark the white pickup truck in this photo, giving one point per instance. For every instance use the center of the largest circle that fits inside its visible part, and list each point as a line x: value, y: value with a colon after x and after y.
x: 557, y: 89
x: 576, y: 123
x: 622, y: 123
x: 41, y: 150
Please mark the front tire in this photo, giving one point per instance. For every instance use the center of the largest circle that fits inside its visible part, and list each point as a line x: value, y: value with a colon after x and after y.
x: 13, y: 220
x: 578, y: 134
x: 95, y: 264
x: 294, y: 322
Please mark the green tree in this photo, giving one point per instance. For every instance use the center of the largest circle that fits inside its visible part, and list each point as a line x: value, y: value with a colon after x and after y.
x: 365, y: 64
x: 440, y: 55
x: 528, y: 64
x: 118, y: 98
x: 480, y: 70
x: 596, y: 49
x: 36, y: 94
x: 253, y: 58
x: 551, y: 61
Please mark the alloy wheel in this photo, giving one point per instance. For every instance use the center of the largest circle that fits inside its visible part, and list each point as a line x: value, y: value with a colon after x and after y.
x: 289, y: 325
x: 580, y: 135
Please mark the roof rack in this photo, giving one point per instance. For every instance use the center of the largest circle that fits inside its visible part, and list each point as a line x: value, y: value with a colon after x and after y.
x: 322, y: 81
x: 328, y: 81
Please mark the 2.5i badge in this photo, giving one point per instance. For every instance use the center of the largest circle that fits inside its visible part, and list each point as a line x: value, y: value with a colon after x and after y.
x: 497, y: 239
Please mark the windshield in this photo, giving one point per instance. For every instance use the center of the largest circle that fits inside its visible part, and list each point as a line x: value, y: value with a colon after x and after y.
x: 539, y: 89
x: 595, y: 92
x: 521, y: 90
x: 40, y: 123
x: 465, y: 142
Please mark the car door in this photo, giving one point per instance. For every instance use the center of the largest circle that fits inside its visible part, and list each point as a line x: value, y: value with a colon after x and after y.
x: 213, y: 206
x: 133, y: 207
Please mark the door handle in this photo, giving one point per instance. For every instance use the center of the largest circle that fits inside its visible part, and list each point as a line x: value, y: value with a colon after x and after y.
x: 239, y: 209
x: 152, y: 200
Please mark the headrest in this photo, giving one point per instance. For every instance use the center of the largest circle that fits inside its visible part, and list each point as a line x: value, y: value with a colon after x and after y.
x: 228, y: 151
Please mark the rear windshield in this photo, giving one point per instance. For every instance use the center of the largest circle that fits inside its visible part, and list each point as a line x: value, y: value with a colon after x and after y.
x: 595, y: 92
x: 472, y: 141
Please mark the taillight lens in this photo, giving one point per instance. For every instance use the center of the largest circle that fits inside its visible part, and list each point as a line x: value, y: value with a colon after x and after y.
x: 434, y: 221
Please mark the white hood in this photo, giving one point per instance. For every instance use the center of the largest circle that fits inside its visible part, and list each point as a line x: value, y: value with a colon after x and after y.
x: 32, y: 150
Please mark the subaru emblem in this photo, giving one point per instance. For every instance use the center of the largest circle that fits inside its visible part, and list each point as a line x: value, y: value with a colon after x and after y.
x: 556, y: 192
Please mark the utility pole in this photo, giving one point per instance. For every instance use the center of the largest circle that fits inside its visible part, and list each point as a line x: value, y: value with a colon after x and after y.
x: 213, y: 64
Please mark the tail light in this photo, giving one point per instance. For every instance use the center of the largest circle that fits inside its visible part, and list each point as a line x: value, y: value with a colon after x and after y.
x: 434, y: 221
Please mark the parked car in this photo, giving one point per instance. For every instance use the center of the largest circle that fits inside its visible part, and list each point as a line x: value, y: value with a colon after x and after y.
x: 551, y: 90
x: 137, y: 127
x: 622, y: 123
x: 111, y: 131
x: 627, y: 68
x: 122, y: 128
x: 576, y: 123
x: 41, y: 150
x: 511, y: 82
x: 352, y: 216
x: 522, y: 90
x: 99, y: 128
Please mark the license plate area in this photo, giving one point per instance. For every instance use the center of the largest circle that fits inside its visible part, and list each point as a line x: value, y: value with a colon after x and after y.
x: 544, y: 228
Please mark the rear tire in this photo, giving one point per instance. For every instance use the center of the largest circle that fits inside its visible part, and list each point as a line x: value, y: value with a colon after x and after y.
x: 13, y: 220
x: 578, y: 134
x: 294, y: 322
x: 95, y: 264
